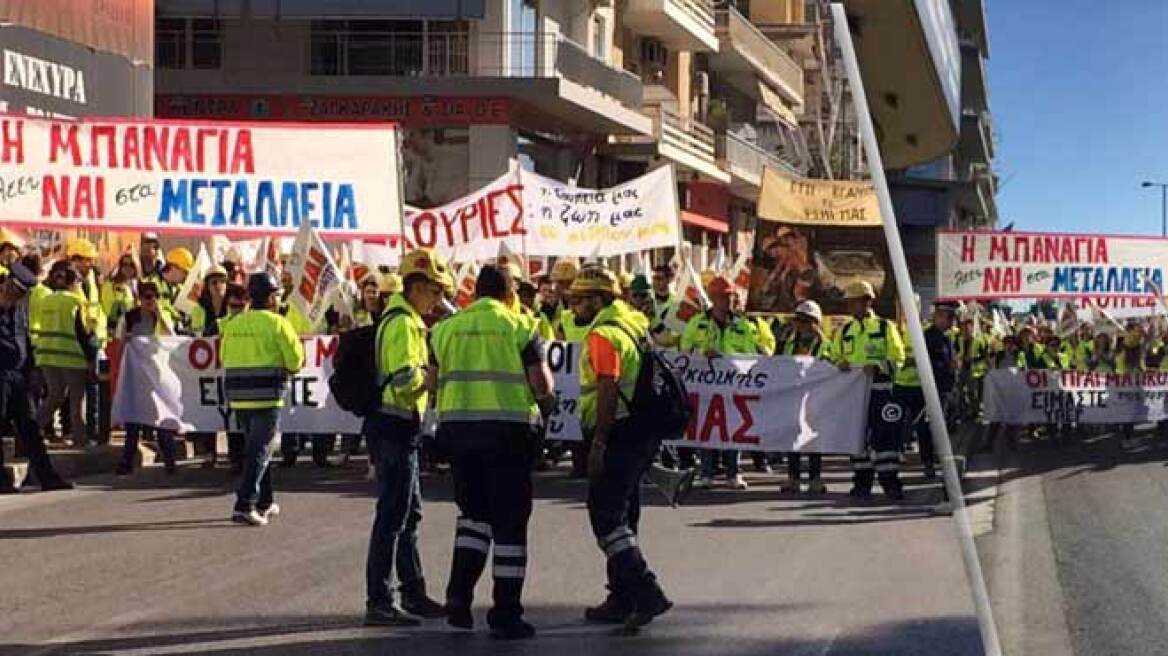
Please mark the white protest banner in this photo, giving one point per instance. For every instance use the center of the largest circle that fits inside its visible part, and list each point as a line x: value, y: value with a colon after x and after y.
x: 1038, y: 396
x: 566, y: 220
x: 200, y: 177
x: 691, y: 301
x: 1031, y: 265
x: 177, y: 383
x: 375, y: 255
x: 778, y: 404
x: 315, y: 277
x: 192, y: 287
x: 248, y: 253
x: 473, y: 225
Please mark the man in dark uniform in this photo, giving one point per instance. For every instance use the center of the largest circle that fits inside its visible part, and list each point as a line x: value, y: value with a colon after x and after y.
x: 15, y: 364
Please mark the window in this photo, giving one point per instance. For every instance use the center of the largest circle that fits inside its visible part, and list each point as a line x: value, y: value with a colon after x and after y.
x: 206, y: 43
x: 181, y: 43
x: 405, y: 48
x: 600, y: 38
x: 170, y: 49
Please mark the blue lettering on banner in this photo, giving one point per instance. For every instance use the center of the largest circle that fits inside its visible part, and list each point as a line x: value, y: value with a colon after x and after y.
x: 1106, y: 280
x: 283, y: 204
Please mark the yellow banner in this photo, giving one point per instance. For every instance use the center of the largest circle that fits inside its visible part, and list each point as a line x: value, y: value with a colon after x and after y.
x: 842, y: 203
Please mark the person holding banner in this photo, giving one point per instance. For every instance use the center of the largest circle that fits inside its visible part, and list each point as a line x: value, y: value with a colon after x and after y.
x: 873, y: 342
x: 610, y: 362
x: 82, y: 253
x: 1131, y: 359
x: 170, y: 279
x: 205, y: 317
x: 907, y: 382
x: 806, y: 338
x: 720, y: 331
x: 494, y: 390
x: 393, y: 433
x: 119, y: 291
x: 260, y: 352
x: 146, y: 320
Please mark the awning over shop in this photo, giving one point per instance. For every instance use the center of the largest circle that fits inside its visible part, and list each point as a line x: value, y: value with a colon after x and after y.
x: 704, y: 222
x: 771, y: 101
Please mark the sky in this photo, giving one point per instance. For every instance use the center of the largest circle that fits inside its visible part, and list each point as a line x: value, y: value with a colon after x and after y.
x: 1079, y: 94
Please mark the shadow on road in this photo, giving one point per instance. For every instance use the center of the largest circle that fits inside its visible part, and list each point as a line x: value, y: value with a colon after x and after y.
x: 176, y: 525
x: 688, y: 631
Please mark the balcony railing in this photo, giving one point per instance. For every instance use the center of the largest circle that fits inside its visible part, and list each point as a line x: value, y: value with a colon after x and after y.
x: 745, y: 37
x: 453, y: 54
x: 746, y: 159
x: 700, y: 10
x: 692, y: 137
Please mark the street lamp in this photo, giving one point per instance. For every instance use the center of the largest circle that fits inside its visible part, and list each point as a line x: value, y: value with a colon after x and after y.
x: 1163, y: 204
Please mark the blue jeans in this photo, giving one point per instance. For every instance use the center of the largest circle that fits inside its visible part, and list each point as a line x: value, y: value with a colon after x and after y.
x: 255, y: 485
x: 394, y: 539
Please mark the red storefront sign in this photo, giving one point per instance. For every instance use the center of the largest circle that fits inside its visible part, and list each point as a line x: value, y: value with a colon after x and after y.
x: 411, y: 111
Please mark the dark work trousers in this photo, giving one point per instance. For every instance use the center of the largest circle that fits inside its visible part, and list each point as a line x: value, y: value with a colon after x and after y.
x: 912, y: 399
x: 614, y: 510
x: 16, y: 407
x: 393, y: 541
x: 881, y: 456
x: 795, y: 465
x: 491, y: 463
x: 165, y: 439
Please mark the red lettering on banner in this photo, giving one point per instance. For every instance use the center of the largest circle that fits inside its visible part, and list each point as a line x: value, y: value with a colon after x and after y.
x: 715, y: 419
x: 741, y: 435
x: 243, y: 155
x: 998, y: 247
x: 1100, y: 254
x: 61, y: 198
x: 201, y: 355
x: 515, y: 193
x: 201, y: 137
x: 968, y: 248
x: 312, y: 269
x: 13, y: 152
x: 155, y: 144
x: 131, y: 150
x: 67, y: 144
x: 181, y: 157
x: 326, y: 348
x: 691, y: 430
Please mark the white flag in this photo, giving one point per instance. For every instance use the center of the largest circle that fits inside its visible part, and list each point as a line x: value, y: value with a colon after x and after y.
x: 316, y: 278
x: 693, y: 300
x: 192, y: 287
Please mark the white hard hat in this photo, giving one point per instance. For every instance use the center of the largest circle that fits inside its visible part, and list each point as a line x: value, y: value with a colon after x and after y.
x: 810, y: 309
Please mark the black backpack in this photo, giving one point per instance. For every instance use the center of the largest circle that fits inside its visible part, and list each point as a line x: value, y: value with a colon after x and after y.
x: 660, y: 404
x: 354, y: 383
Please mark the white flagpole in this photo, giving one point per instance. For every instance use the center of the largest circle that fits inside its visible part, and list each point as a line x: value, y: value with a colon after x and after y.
x: 981, y: 598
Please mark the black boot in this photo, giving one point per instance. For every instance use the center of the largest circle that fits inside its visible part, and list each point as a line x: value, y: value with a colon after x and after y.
x: 615, y: 609
x: 415, y: 601
x: 650, y: 603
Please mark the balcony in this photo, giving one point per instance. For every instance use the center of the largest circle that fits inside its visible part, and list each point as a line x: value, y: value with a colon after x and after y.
x: 975, y: 194
x: 554, y: 83
x: 679, y: 24
x: 971, y: 20
x: 689, y: 143
x: 745, y: 162
x: 746, y: 55
x: 977, y: 138
x: 974, y: 89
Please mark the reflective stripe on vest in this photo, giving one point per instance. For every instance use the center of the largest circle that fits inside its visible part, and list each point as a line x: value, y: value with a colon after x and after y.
x: 255, y: 383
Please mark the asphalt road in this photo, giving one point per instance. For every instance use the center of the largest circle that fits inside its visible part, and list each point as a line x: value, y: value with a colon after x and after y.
x: 1078, y: 560
x: 150, y: 565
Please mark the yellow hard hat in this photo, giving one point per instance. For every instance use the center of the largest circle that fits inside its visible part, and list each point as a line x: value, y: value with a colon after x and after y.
x: 81, y: 247
x: 428, y: 263
x: 626, y: 280
x: 565, y: 270
x: 390, y: 283
x: 707, y: 277
x: 594, y: 279
x: 180, y: 258
x: 859, y: 289
x: 10, y: 237
x: 216, y: 270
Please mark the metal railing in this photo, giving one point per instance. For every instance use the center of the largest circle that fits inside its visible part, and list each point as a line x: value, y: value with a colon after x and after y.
x: 688, y: 135
x: 742, y: 155
x: 453, y: 54
x: 746, y: 37
x: 700, y: 10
